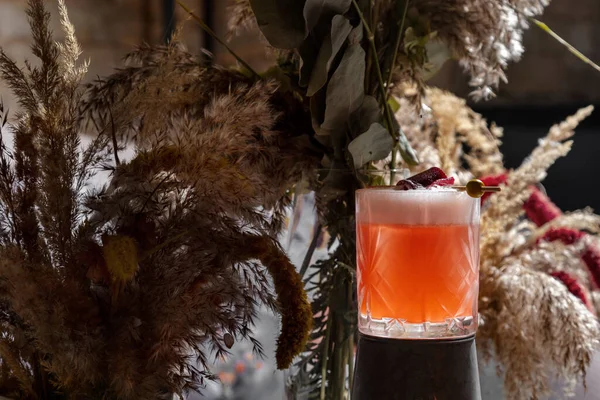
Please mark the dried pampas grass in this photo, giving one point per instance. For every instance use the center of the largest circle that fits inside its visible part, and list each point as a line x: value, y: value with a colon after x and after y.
x: 447, y: 132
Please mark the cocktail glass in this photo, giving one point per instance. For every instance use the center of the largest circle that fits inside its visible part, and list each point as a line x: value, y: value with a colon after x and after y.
x: 417, y: 263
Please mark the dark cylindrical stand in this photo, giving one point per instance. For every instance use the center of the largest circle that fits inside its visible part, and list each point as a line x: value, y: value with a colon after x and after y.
x: 393, y: 369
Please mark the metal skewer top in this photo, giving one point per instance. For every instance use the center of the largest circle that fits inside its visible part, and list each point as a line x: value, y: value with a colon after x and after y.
x: 476, y: 188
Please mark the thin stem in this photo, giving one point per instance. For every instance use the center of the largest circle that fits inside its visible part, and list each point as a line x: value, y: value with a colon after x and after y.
x: 399, y: 36
x: 393, y: 162
x: 351, y: 338
x: 351, y: 350
x: 311, y: 250
x: 562, y: 41
x: 155, y: 190
x: 114, y: 138
x: 397, y: 46
x: 325, y: 356
x: 212, y: 33
x: 369, y: 67
x: 375, y: 58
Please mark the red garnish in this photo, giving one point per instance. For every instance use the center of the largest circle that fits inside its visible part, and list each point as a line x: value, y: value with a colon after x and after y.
x: 591, y: 258
x: 565, y: 235
x: 406, y: 184
x: 422, y: 179
x: 574, y: 287
x: 442, y: 182
x: 494, y: 180
x: 540, y: 209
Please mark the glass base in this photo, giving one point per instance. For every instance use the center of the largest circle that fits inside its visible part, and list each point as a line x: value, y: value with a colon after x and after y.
x: 393, y: 369
x: 457, y: 327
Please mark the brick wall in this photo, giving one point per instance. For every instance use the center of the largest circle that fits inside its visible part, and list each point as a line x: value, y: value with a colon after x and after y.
x: 108, y: 29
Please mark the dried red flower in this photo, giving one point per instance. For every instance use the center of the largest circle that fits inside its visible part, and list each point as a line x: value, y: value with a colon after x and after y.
x: 423, y: 179
x: 591, y: 258
x: 540, y: 209
x: 573, y: 286
x: 494, y: 180
x: 565, y: 235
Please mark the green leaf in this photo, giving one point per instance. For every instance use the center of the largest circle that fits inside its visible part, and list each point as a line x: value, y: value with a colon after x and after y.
x: 374, y: 144
x: 340, y: 28
x: 362, y: 119
x: 281, y: 21
x: 394, y: 104
x: 336, y: 182
x: 317, y: 110
x: 345, y: 92
x: 437, y: 55
x: 309, y: 51
x: 406, y: 151
x: 313, y: 9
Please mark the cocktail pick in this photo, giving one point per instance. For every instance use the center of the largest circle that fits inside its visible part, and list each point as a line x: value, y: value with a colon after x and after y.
x: 476, y: 188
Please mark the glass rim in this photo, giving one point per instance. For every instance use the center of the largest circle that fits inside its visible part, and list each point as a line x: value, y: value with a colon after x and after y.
x: 392, y: 189
x: 395, y: 170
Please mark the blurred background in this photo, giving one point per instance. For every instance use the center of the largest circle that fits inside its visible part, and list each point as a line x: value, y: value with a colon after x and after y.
x: 546, y: 86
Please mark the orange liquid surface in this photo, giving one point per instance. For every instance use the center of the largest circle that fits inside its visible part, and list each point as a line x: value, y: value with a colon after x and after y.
x: 418, y: 273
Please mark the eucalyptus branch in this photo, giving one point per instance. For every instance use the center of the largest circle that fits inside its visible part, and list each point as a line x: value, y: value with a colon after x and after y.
x: 399, y: 36
x: 409, y: 158
x: 396, y: 47
x: 216, y: 37
x: 562, y: 41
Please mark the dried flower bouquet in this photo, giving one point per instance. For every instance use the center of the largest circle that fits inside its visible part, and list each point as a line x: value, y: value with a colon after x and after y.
x: 125, y: 291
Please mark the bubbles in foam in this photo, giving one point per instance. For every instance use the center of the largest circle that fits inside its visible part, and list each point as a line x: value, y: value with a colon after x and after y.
x: 436, y: 206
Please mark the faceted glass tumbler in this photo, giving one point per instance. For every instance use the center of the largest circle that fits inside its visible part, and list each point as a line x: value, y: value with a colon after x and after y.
x: 417, y: 263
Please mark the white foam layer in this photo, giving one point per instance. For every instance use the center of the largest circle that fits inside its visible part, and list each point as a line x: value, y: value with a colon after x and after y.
x: 416, y: 207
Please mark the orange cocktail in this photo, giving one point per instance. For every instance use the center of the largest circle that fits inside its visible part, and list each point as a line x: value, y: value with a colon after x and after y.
x: 418, y: 262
